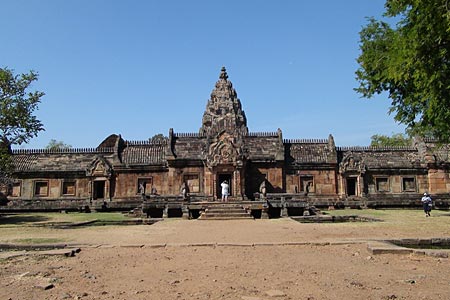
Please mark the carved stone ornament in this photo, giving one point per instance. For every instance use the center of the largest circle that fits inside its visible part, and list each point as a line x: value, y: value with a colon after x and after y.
x: 99, y: 167
x: 352, y: 163
x: 224, y: 110
x: 224, y: 152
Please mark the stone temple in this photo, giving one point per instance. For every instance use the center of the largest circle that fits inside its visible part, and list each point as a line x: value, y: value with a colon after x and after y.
x: 267, y: 174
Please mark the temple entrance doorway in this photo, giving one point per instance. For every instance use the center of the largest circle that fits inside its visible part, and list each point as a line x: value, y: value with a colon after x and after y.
x: 351, y: 186
x: 99, y: 189
x: 221, y: 178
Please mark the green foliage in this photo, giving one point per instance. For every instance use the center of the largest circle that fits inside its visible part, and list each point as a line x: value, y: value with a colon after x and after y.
x: 158, y: 138
x: 397, y: 139
x: 6, y: 166
x: 18, y: 124
x: 57, y: 145
x: 411, y: 62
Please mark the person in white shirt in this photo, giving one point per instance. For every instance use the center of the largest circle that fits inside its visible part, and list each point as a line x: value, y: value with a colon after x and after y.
x: 225, y: 190
x: 427, y: 203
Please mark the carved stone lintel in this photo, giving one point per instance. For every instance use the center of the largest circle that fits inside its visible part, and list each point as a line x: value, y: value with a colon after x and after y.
x: 223, y: 151
x: 352, y: 163
x: 99, y: 167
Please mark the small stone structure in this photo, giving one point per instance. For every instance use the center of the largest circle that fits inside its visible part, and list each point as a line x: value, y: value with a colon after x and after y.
x: 276, y: 176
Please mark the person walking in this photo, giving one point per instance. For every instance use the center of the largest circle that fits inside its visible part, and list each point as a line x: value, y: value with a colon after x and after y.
x: 427, y: 203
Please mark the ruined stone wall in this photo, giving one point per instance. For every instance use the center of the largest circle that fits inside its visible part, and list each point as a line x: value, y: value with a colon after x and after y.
x: 126, y: 184
x: 257, y: 172
x: 52, y: 189
x: 396, y: 184
x: 165, y: 182
x: 324, y: 182
x: 439, y: 181
x: 194, y: 177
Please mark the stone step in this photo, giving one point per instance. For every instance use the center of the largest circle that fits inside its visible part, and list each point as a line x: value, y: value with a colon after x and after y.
x: 225, y: 211
x: 225, y: 218
x: 221, y: 217
x: 226, y: 205
x: 212, y: 210
x: 227, y: 214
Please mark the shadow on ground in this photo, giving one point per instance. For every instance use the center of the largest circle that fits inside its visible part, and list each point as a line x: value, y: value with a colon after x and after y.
x: 21, y: 219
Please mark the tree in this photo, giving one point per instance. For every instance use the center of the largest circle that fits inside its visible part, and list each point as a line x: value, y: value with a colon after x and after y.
x: 397, y: 139
x: 18, y: 124
x: 158, y: 138
x: 6, y: 166
x: 57, y: 145
x: 411, y: 62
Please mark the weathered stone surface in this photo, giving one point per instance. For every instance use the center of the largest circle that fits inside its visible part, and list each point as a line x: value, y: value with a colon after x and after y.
x: 125, y: 175
x: 45, y: 286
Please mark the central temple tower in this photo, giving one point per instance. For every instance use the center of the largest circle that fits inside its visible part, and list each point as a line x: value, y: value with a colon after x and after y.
x: 223, y: 110
x: 225, y: 126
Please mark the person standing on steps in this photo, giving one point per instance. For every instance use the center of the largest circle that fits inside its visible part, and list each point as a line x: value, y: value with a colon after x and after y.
x: 225, y: 190
x: 427, y: 203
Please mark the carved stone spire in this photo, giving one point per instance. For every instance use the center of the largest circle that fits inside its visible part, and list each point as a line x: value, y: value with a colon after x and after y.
x: 223, y: 110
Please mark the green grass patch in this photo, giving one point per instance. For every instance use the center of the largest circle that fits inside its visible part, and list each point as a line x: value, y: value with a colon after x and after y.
x: 399, y: 219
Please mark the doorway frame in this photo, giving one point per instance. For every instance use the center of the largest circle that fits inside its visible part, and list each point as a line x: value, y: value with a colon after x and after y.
x: 221, y: 176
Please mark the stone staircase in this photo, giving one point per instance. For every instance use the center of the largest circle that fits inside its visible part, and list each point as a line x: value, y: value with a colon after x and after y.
x: 225, y: 211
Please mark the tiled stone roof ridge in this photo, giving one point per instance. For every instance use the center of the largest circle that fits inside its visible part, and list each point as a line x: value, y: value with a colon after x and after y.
x: 68, y: 150
x: 305, y: 141
x: 258, y: 134
x: 146, y: 142
x: 375, y: 148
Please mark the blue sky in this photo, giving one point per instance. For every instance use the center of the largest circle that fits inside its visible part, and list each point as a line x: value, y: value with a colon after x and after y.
x: 138, y: 68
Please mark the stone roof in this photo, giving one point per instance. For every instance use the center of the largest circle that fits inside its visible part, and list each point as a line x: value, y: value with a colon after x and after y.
x: 262, y: 146
x: 383, y: 157
x: 69, y: 160
x: 307, y: 151
x: 189, y: 146
x: 144, y: 153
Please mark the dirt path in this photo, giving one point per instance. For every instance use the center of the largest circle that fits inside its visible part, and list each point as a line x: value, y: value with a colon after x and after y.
x: 122, y: 269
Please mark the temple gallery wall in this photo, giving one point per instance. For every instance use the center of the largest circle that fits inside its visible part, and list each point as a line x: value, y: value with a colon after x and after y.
x: 183, y: 170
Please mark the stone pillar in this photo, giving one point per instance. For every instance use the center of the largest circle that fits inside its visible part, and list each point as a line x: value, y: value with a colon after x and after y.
x: 91, y: 189
x: 265, y: 212
x: 213, y: 186
x: 361, y: 185
x: 284, y: 211
x: 242, y: 182
x: 107, y: 189
x: 186, y: 213
x: 237, y: 185
x: 341, y: 185
x: 172, y: 178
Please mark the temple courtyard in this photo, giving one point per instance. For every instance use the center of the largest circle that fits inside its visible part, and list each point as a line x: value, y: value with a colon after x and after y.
x: 232, y: 259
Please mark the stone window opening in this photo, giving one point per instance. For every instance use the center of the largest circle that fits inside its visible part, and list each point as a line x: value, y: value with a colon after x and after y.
x: 68, y: 188
x: 14, y: 189
x: 144, y: 185
x: 408, y: 184
x: 307, y: 184
x: 382, y: 184
x: 41, y: 188
x: 193, y: 182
